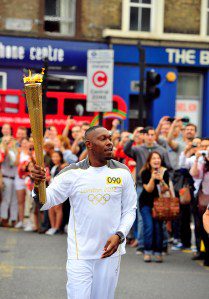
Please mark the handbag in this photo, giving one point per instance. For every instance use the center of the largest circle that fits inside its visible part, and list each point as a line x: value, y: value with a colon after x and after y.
x: 185, y: 195
x: 166, y: 208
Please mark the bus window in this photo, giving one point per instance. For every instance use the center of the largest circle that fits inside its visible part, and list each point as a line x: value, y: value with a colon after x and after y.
x: 76, y: 108
x: 65, y: 83
x: 115, y: 105
x: 51, y: 106
x: 9, y: 104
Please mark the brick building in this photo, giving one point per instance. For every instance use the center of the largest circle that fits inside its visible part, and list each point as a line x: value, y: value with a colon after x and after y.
x: 173, y: 34
x: 156, y: 21
x: 175, y: 38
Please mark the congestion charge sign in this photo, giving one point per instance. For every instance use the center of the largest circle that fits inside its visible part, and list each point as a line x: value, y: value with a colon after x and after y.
x: 100, y: 80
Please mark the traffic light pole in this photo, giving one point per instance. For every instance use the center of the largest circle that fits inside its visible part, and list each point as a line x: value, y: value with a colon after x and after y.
x: 100, y: 118
x: 142, y: 108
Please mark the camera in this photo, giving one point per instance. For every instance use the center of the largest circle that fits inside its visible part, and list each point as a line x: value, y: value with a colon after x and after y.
x: 204, y: 153
x: 143, y: 131
x: 185, y: 119
x: 171, y: 119
x: 194, y: 145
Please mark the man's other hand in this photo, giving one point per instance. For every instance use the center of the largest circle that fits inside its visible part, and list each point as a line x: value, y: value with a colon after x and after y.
x: 111, y: 246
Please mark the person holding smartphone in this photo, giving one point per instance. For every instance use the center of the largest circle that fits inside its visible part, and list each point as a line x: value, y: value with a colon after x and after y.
x: 140, y: 154
x: 8, y: 206
x: 181, y: 177
x: 155, y: 179
x: 189, y: 134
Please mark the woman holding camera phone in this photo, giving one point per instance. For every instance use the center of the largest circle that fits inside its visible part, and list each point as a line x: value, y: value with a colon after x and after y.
x: 155, y: 180
x: 22, y: 156
x: 8, y: 155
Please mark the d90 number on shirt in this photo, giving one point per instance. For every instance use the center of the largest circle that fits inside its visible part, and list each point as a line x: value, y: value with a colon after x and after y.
x: 114, y: 180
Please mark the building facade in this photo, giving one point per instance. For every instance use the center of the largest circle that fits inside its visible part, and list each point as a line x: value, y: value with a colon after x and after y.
x: 175, y: 38
x: 46, y: 34
x: 173, y: 34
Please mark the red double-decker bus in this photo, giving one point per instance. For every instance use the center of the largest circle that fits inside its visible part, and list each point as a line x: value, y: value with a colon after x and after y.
x: 13, y: 109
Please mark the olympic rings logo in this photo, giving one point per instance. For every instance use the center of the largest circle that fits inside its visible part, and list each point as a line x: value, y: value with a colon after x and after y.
x: 98, y: 198
x: 114, y: 180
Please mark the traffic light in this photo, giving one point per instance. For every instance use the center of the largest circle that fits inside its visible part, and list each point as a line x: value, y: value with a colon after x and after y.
x: 152, y: 80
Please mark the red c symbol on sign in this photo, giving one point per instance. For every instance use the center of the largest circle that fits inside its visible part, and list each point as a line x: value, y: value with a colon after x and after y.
x: 99, y: 79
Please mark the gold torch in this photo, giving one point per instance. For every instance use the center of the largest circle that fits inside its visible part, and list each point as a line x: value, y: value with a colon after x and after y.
x: 33, y: 90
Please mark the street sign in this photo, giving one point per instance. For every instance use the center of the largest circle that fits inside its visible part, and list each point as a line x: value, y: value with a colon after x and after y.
x: 100, y: 80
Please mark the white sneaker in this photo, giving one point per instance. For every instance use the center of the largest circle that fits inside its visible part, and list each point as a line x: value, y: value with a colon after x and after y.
x: 19, y: 225
x: 65, y: 229
x: 50, y: 232
x: 177, y: 246
x: 28, y: 228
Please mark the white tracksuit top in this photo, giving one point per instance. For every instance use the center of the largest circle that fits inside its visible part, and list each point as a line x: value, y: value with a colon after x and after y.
x: 102, y: 200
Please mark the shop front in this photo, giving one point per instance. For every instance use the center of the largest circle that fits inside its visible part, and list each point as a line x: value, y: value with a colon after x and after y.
x: 65, y: 63
x: 185, y: 96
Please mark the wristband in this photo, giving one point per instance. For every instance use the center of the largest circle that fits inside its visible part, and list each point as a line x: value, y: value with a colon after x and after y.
x: 121, y: 236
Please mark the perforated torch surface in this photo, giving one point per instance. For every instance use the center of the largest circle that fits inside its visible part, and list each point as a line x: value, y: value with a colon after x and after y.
x: 34, y: 101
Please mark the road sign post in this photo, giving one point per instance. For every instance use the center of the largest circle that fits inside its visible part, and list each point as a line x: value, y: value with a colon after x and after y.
x: 100, y: 81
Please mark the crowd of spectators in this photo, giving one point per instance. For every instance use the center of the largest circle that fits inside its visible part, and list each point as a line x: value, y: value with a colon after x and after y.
x: 169, y: 158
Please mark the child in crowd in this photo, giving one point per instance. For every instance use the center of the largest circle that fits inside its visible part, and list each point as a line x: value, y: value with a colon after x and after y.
x: 55, y: 213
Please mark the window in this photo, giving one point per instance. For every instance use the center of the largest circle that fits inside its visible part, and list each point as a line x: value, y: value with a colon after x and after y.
x: 51, y: 106
x: 140, y: 15
x: 76, y: 108
x: 60, y: 16
x: 204, y: 18
x: 3, y: 80
x: 189, y: 98
x: 66, y: 83
x: 189, y: 85
x: 207, y: 17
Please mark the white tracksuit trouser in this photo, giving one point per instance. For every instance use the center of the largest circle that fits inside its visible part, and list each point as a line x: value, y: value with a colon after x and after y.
x: 9, y: 206
x: 92, y: 279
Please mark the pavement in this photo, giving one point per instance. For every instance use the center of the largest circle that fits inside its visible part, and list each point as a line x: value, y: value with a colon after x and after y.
x: 32, y: 266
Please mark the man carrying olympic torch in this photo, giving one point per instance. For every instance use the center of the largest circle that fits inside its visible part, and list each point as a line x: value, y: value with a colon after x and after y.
x: 102, y: 197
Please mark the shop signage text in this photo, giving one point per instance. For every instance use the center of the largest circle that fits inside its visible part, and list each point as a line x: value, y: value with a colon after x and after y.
x: 187, y: 56
x: 35, y: 53
x: 163, y: 55
x: 31, y: 52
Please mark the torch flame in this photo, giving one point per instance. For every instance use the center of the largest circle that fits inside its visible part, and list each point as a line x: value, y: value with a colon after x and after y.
x: 36, y: 78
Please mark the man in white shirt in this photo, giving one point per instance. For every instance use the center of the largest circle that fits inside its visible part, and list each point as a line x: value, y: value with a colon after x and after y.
x: 102, y: 196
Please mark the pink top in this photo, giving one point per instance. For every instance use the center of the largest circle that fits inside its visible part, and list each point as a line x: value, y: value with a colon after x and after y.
x: 205, y: 179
